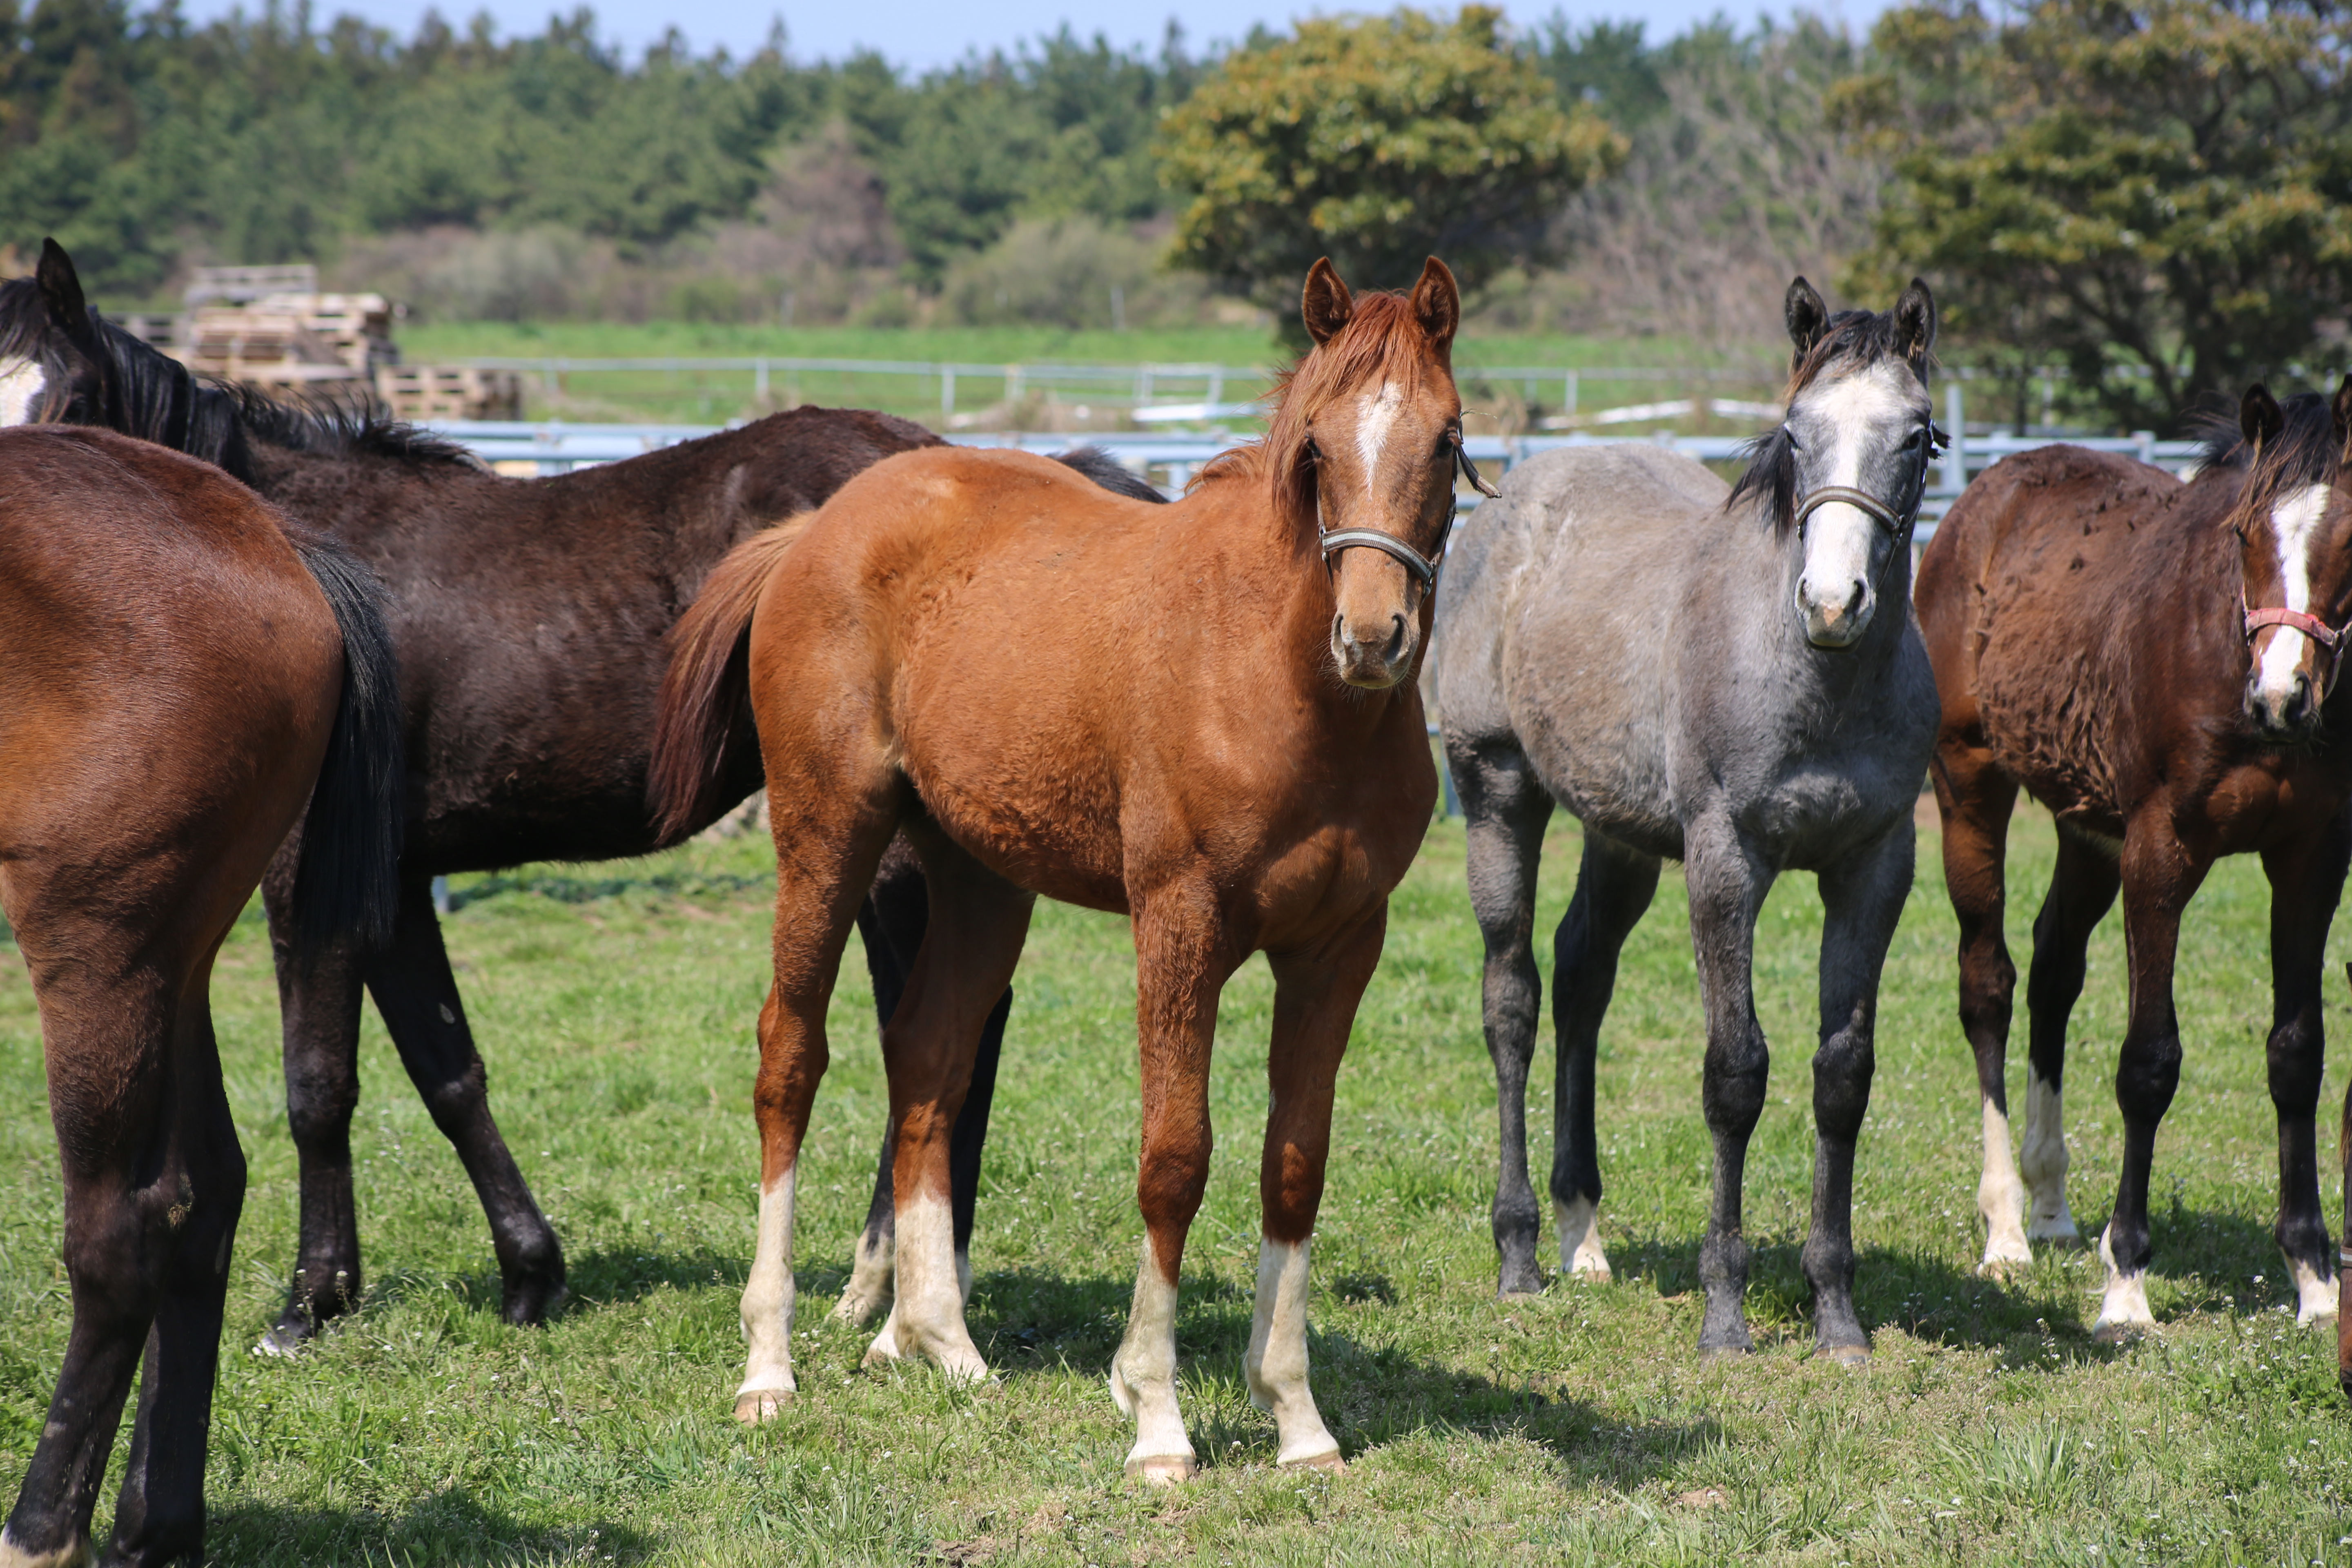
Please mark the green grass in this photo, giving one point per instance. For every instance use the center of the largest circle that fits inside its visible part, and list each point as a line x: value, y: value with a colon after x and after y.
x: 712, y: 396
x: 615, y: 1005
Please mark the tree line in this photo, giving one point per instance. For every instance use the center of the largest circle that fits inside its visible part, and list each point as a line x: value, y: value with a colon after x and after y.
x: 2156, y: 194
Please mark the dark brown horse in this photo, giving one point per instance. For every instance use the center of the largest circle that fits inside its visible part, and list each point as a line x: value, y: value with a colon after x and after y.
x: 176, y: 675
x: 2156, y: 662
x: 1201, y: 715
x: 529, y: 617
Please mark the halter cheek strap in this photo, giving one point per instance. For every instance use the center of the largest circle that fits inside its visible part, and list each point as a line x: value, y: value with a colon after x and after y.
x: 1423, y: 569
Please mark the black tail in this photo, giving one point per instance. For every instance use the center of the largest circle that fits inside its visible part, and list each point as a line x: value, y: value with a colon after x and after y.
x: 346, y: 881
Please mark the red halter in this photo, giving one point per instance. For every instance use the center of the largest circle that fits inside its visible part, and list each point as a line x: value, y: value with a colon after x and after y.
x: 2319, y: 631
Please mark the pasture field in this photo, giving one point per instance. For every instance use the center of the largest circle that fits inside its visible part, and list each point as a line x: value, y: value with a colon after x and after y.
x: 715, y: 396
x: 616, y: 1003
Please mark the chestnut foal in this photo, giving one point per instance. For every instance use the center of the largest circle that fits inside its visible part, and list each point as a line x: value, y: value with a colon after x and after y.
x: 2154, y: 661
x: 1201, y: 715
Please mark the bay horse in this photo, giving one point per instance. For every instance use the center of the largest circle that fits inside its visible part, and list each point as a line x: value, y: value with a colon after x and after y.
x: 1728, y: 676
x: 2155, y: 662
x: 184, y: 680
x: 529, y: 617
x: 1201, y: 715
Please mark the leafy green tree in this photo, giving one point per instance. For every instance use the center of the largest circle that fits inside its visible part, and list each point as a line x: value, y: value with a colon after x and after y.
x: 2154, y: 186
x: 1377, y: 141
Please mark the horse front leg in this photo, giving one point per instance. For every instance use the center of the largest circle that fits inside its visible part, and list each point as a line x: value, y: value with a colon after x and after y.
x: 1183, y: 959
x: 1314, y: 999
x: 1505, y: 808
x: 1861, y: 899
x: 416, y: 994
x: 2161, y: 875
x: 2306, y: 880
x: 1728, y: 883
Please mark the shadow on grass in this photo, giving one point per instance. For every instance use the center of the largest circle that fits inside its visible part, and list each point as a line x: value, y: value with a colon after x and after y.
x: 449, y: 1527
x: 2037, y: 1318
x: 588, y: 889
x: 1028, y: 1323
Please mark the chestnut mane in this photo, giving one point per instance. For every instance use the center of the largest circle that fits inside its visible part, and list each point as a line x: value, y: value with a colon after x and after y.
x: 1382, y: 341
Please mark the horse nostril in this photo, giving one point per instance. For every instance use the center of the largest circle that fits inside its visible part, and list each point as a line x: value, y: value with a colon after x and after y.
x: 1396, y: 638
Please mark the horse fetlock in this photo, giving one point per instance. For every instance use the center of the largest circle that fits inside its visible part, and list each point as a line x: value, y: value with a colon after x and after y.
x: 2123, y: 1310
x: 2315, y: 1291
x: 1578, y: 1220
x: 870, y: 1291
x: 757, y: 1406
x: 73, y: 1553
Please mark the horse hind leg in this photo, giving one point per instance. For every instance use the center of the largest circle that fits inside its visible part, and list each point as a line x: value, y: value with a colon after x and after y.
x: 834, y: 834
x: 1975, y: 798
x: 1505, y: 808
x: 160, y: 1515
x: 117, y: 1236
x: 1614, y: 890
x: 2082, y: 889
x: 972, y: 942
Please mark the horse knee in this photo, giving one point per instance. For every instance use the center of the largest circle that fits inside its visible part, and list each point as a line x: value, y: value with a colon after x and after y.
x: 1733, y: 1083
x: 1170, y: 1184
x: 2146, y: 1074
x: 2294, y: 1060
x: 1842, y: 1069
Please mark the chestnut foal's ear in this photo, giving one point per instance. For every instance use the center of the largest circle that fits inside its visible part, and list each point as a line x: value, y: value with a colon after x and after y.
x: 1807, y: 317
x: 1915, y: 322
x: 2342, y: 408
x: 1436, y: 302
x: 1326, y: 307
x: 61, y: 291
x: 2259, y: 419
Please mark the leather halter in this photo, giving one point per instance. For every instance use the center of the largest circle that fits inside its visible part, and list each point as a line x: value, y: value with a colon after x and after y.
x: 1860, y: 500
x: 2332, y: 638
x: 1423, y: 569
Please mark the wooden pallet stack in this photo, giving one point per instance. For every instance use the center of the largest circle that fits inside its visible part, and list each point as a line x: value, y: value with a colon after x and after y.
x: 420, y: 392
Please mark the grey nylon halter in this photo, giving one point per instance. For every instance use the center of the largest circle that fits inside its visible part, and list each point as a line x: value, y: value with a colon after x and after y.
x: 1423, y: 569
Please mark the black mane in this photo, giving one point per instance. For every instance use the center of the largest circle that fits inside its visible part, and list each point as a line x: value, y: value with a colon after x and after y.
x: 2305, y: 451
x: 155, y: 398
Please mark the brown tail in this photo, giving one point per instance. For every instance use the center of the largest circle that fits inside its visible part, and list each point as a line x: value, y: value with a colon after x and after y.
x: 706, y: 691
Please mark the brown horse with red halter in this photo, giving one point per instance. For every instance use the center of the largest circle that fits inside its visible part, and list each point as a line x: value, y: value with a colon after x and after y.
x: 1200, y: 715
x: 2156, y: 662
x: 179, y: 677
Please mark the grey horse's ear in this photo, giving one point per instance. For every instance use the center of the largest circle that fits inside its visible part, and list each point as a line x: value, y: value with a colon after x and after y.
x: 1915, y: 322
x: 2342, y: 409
x: 60, y: 289
x: 1326, y: 306
x: 2259, y: 419
x: 1807, y: 318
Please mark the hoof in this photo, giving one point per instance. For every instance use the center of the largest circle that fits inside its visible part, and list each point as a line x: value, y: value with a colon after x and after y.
x: 1590, y: 1274
x: 1165, y: 1470
x: 1329, y: 1462
x: 1519, y: 1280
x: 529, y: 1306
x: 1518, y: 1295
x: 1845, y: 1356
x: 2004, y: 1266
x: 2061, y: 1232
x: 2123, y: 1332
x: 287, y: 1337
x: 758, y: 1407
x: 1736, y: 1352
x: 859, y: 1308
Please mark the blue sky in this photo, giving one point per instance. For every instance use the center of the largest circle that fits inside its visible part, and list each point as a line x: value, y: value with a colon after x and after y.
x: 920, y: 33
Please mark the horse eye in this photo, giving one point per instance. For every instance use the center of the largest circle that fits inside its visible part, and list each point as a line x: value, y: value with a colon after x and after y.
x: 1911, y: 442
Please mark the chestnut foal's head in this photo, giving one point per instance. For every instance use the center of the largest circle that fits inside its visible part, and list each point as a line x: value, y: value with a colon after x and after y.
x: 1366, y: 439
x: 2294, y: 524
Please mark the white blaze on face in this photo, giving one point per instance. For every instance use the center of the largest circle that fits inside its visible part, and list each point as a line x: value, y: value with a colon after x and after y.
x: 1375, y: 413
x: 2295, y: 525
x: 21, y: 382
x: 1853, y: 415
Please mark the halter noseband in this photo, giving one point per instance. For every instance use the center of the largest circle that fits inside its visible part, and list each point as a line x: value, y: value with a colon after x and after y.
x: 2332, y: 638
x: 1860, y: 500
x: 1423, y: 569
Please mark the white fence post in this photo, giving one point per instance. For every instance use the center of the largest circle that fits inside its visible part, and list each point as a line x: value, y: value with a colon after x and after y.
x: 1956, y: 426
